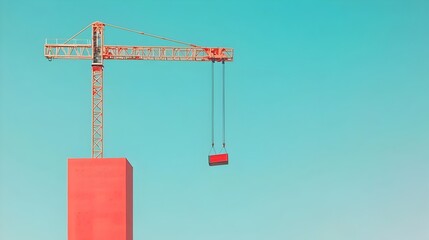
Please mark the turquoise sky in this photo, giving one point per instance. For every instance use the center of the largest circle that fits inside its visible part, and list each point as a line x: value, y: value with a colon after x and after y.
x: 327, y: 119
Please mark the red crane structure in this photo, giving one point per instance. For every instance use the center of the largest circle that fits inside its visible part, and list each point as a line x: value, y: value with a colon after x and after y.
x: 97, y: 51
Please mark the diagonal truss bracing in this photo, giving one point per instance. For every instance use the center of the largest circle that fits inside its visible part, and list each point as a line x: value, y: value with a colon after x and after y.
x: 83, y: 51
x: 97, y: 111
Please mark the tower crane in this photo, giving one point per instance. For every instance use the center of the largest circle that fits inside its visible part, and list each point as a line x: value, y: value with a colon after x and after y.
x: 97, y: 51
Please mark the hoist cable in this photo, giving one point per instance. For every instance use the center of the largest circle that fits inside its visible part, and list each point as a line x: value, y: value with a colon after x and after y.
x: 223, y: 104
x: 213, y: 92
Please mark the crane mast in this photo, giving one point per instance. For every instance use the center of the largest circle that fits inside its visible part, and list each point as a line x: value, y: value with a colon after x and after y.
x: 97, y: 90
x: 98, y: 52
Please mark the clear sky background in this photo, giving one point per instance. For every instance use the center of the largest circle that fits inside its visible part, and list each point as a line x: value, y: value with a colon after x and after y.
x: 327, y: 119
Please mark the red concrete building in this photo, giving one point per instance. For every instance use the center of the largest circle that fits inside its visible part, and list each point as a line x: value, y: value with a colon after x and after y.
x: 100, y: 199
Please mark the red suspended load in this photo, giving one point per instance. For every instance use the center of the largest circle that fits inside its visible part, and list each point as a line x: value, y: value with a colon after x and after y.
x: 218, y: 159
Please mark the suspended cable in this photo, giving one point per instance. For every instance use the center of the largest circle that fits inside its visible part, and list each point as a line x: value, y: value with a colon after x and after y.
x: 151, y: 35
x: 223, y: 104
x: 213, y: 92
x: 220, y: 158
x: 68, y: 40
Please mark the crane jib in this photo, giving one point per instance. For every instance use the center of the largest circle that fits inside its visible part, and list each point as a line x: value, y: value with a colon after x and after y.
x: 151, y: 53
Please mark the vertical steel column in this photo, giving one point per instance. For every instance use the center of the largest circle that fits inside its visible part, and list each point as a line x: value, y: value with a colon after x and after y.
x: 97, y: 89
x: 97, y: 111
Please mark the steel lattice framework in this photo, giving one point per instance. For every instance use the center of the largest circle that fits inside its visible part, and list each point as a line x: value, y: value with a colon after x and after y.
x: 98, y: 52
x: 97, y: 111
x: 158, y: 53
